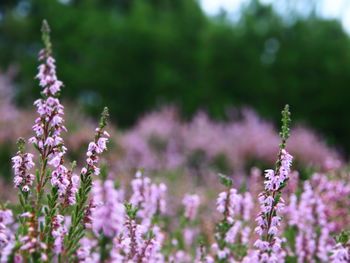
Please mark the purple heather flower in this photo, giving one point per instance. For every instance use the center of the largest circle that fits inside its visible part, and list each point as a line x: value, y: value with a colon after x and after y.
x: 22, y: 163
x: 95, y: 148
x: 191, y: 204
x: 109, y: 215
x: 6, y: 218
x: 149, y: 197
x: 58, y: 232
x: 340, y: 254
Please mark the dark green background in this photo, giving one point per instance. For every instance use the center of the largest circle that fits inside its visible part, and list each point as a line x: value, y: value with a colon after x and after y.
x: 136, y: 55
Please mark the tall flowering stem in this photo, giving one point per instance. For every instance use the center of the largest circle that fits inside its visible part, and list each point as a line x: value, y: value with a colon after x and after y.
x: 49, y: 125
x: 42, y: 234
x: 271, y: 202
x: 232, y: 232
x: 76, y: 229
x: 48, y: 142
x: 225, y: 205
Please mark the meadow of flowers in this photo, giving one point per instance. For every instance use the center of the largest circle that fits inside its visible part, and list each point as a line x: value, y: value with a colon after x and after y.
x: 175, y: 207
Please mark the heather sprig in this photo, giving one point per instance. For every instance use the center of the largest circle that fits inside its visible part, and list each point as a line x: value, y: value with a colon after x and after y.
x: 43, y: 234
x: 271, y: 201
x: 184, y: 236
x: 79, y: 215
x: 22, y: 163
x: 50, y: 146
x: 233, y: 231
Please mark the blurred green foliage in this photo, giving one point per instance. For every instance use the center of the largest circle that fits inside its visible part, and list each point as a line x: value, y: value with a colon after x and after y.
x: 134, y: 55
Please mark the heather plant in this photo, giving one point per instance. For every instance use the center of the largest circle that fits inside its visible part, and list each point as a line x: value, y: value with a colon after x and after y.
x: 233, y: 231
x: 66, y: 214
x: 53, y: 190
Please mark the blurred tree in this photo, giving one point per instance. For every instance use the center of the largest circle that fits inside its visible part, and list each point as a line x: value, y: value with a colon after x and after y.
x: 136, y: 55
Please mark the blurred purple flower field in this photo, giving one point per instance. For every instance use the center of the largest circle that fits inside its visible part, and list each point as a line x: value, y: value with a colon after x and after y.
x: 162, y: 142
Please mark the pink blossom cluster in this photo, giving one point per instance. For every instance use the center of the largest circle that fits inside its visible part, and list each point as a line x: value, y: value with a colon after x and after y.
x: 30, y: 243
x: 6, y: 218
x: 226, y: 203
x: 137, y: 244
x: 134, y: 238
x: 307, y: 215
x: 47, y: 74
x: 332, y: 191
x: 340, y: 254
x: 108, y: 216
x: 236, y: 210
x: 58, y: 232
x: 96, y: 147
x: 191, y: 204
x: 22, y: 163
x: 148, y: 197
